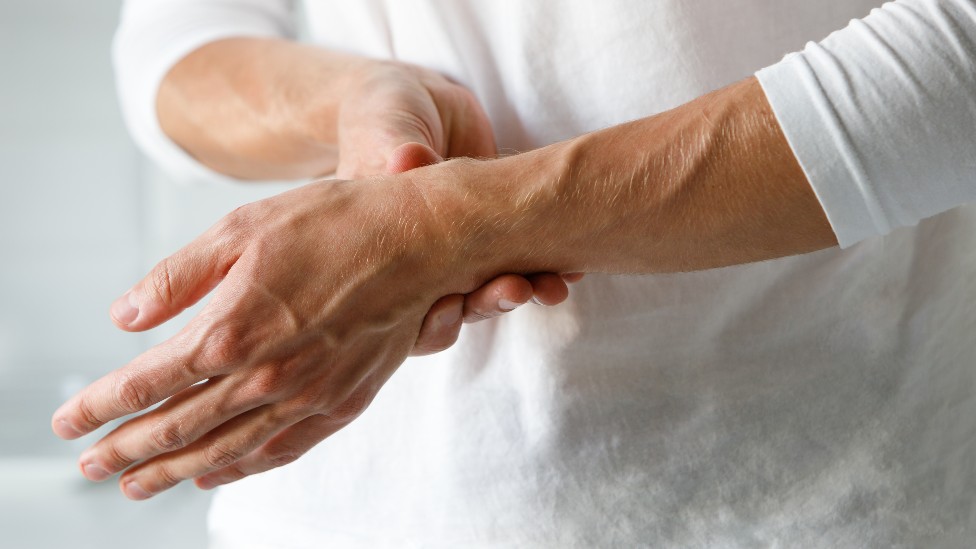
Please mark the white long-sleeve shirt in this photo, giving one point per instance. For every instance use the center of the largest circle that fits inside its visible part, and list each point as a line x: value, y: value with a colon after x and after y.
x: 826, y: 400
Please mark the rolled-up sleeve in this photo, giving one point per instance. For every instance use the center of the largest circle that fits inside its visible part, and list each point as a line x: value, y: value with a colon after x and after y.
x: 154, y: 35
x: 882, y: 115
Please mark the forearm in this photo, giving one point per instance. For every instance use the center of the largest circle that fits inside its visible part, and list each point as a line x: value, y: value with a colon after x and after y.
x: 709, y: 184
x: 257, y: 108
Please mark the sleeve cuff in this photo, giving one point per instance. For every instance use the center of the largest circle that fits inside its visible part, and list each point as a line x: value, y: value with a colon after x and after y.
x: 822, y: 147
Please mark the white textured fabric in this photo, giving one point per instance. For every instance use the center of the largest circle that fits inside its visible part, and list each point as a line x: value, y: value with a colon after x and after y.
x: 827, y: 400
x: 882, y: 115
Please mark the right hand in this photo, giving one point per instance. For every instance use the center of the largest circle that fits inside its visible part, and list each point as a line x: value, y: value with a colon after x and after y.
x: 396, y: 117
x: 389, y: 104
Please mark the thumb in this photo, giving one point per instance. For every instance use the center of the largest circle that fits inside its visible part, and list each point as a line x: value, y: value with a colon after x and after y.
x: 410, y: 156
x: 174, y: 284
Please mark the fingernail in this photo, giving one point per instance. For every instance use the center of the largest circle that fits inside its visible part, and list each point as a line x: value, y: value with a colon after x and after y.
x: 507, y: 305
x: 536, y: 301
x: 125, y: 309
x: 64, y: 429
x: 95, y: 473
x: 134, y: 491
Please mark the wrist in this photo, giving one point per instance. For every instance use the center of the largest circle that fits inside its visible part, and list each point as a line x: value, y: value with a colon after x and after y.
x: 506, y: 215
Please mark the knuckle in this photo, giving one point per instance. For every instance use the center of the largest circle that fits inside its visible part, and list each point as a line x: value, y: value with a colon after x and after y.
x: 86, y: 413
x: 264, y: 382
x: 234, y: 222
x: 116, y: 458
x: 231, y: 229
x: 280, y: 458
x: 234, y: 472
x: 231, y: 473
x: 304, y: 403
x: 132, y: 393
x: 167, y: 477
x: 161, y: 282
x: 225, y: 346
x: 351, y: 408
x: 166, y: 436
x: 219, y: 455
x: 224, y: 351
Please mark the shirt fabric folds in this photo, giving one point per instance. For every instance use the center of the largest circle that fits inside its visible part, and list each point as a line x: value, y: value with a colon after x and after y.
x: 824, y: 400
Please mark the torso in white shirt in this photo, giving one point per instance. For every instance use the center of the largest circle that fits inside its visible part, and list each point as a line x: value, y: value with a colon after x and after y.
x: 827, y: 400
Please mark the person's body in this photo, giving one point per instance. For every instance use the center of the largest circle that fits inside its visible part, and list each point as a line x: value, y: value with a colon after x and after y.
x: 814, y: 400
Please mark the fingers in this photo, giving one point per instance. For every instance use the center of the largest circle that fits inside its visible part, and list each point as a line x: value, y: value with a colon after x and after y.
x: 286, y: 447
x: 499, y: 296
x: 503, y: 294
x: 508, y: 292
x: 203, y: 350
x: 145, y: 381
x: 549, y: 289
x: 410, y: 156
x: 441, y: 326
x: 174, y: 284
x: 173, y: 426
x: 572, y: 277
x: 262, y: 438
x: 219, y: 449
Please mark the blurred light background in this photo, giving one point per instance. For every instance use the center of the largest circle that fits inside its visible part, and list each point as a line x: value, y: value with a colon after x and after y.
x: 82, y: 217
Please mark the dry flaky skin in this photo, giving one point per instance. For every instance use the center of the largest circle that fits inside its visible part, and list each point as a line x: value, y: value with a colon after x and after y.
x: 323, y: 290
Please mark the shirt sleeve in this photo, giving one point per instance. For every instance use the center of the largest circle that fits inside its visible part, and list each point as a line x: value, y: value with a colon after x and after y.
x: 154, y: 35
x: 882, y: 115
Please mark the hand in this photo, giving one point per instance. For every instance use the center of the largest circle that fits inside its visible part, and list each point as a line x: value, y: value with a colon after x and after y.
x: 388, y: 104
x: 320, y: 295
x: 397, y: 117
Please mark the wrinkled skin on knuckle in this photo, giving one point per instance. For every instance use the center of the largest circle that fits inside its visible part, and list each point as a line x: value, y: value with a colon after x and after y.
x: 279, y: 457
x: 115, y: 458
x: 305, y: 402
x: 160, y: 285
x: 167, y: 477
x: 264, y: 382
x: 218, y: 454
x: 234, y: 472
x: 351, y: 408
x: 86, y: 415
x: 134, y: 393
x: 167, y: 436
x: 225, y: 344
